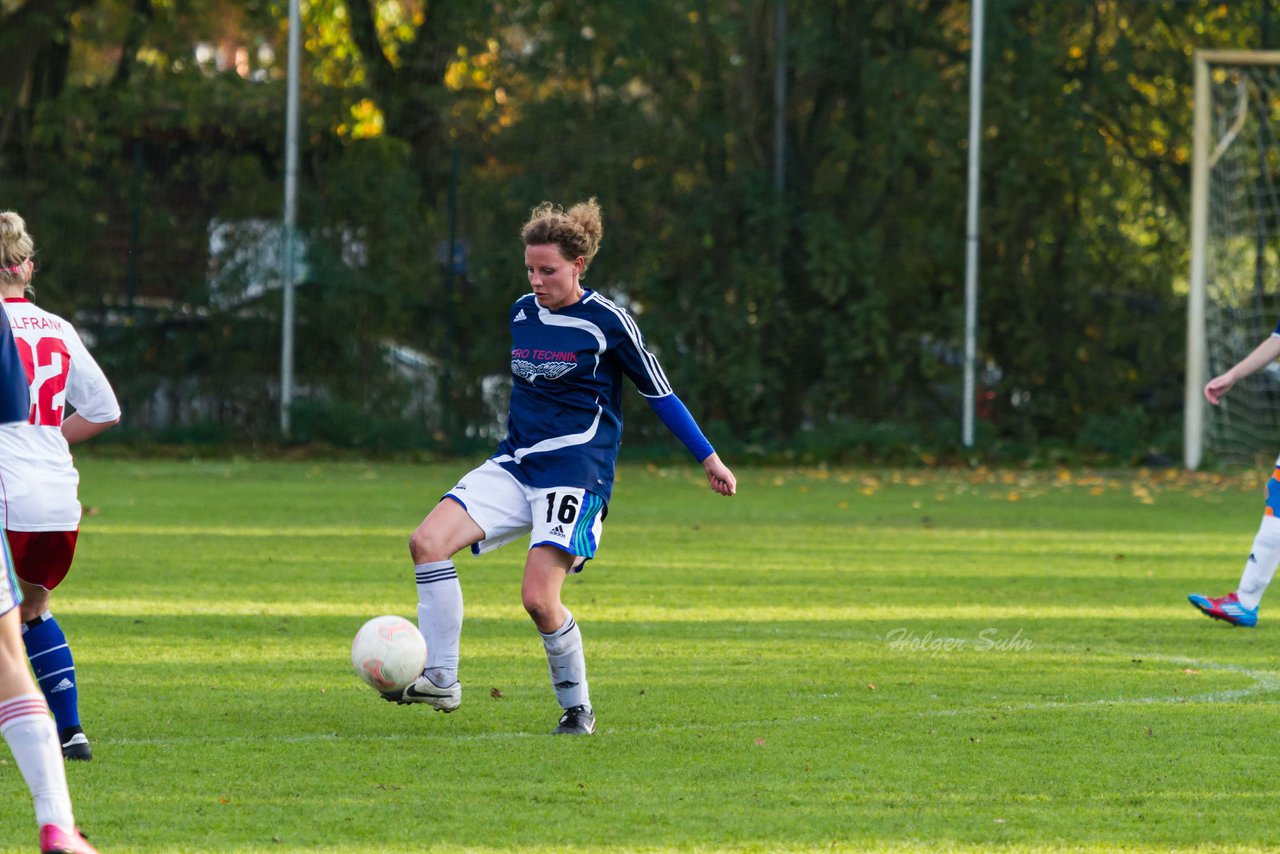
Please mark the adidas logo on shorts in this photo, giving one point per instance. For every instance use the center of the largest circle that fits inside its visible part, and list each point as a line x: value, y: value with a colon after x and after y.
x: 557, y: 531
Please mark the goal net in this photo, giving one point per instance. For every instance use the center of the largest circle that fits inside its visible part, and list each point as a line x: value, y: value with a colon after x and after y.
x: 1234, y: 299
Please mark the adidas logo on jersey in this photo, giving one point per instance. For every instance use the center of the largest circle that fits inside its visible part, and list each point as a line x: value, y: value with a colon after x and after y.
x: 65, y: 685
x: 520, y: 315
x: 557, y: 531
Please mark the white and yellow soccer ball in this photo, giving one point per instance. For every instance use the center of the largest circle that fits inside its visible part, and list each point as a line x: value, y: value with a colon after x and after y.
x: 388, y: 653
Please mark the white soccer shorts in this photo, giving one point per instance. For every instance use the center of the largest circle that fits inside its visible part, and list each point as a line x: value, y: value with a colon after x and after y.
x: 568, y: 518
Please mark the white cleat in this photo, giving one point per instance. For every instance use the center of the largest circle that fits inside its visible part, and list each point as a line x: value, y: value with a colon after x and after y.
x: 425, y: 691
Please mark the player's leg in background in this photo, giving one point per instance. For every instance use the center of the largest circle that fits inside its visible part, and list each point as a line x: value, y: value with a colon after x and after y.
x: 1260, y: 568
x: 544, y: 573
x: 42, y: 560
x: 1240, y: 607
x: 447, y: 530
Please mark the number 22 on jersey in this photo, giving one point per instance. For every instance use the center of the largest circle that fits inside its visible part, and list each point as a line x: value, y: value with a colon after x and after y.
x: 47, y: 366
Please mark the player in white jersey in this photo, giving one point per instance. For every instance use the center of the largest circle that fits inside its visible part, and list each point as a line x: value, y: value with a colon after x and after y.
x: 552, y: 476
x: 39, y: 508
x: 24, y: 715
x: 1240, y: 606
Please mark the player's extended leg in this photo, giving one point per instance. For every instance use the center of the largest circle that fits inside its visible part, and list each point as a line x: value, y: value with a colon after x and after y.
x: 26, y: 726
x: 1241, y: 607
x: 447, y: 530
x: 544, y: 573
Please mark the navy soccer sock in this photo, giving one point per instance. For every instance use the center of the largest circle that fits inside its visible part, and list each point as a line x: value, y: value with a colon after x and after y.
x: 55, y: 670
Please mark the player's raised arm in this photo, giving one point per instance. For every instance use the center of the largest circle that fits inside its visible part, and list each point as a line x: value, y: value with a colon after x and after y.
x: 644, y: 370
x: 1264, y: 354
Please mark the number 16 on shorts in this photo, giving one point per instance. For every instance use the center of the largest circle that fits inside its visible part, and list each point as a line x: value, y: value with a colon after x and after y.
x: 570, y: 519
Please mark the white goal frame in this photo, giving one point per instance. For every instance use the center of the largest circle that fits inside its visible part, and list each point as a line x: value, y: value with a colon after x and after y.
x: 1202, y: 160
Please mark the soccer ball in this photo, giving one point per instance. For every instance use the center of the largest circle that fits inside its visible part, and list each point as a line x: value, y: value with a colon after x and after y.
x: 388, y: 653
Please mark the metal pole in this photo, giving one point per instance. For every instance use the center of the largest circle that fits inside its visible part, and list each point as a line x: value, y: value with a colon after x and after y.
x: 971, y: 226
x: 288, y: 249
x: 1193, y: 403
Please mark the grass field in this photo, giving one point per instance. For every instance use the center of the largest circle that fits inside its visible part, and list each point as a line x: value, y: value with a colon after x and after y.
x: 832, y: 659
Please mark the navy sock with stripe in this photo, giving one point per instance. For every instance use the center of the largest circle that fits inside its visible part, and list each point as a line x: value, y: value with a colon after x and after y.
x: 54, y: 667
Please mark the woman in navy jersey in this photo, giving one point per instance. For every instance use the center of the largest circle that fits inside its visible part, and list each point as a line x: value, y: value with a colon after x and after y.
x: 552, y: 475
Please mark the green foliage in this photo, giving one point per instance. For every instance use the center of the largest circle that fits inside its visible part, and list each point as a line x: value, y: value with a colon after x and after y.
x: 836, y: 300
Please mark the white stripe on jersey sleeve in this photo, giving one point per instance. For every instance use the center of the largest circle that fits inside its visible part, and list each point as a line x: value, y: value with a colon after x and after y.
x: 652, y: 368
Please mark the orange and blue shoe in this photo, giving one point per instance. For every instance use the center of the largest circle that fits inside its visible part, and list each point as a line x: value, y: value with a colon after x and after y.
x: 1227, y: 608
x: 55, y: 840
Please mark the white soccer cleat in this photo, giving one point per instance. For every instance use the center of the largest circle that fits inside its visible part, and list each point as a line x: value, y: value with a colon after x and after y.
x: 423, y: 690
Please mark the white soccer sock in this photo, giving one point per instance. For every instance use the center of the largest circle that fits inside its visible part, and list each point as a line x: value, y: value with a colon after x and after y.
x: 26, y: 725
x: 440, y: 619
x: 1261, y: 566
x: 567, y: 665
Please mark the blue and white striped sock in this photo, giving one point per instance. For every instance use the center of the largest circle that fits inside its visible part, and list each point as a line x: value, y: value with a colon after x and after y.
x: 54, y: 667
x: 440, y: 619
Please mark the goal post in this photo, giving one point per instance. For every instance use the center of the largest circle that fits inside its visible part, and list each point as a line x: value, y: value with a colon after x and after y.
x: 1233, y: 297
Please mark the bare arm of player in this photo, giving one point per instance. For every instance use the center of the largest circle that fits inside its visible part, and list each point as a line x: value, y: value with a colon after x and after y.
x: 719, y: 478
x: 1264, y: 354
x: 77, y: 429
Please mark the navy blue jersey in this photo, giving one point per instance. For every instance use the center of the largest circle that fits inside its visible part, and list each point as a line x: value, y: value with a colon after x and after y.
x: 15, y: 399
x: 567, y: 366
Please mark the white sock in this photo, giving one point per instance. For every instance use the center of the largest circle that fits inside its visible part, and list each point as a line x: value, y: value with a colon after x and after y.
x: 440, y: 619
x: 567, y: 665
x: 1262, y: 562
x: 27, y: 727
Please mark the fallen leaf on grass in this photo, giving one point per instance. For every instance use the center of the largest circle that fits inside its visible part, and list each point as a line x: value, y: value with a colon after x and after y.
x: 495, y: 694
